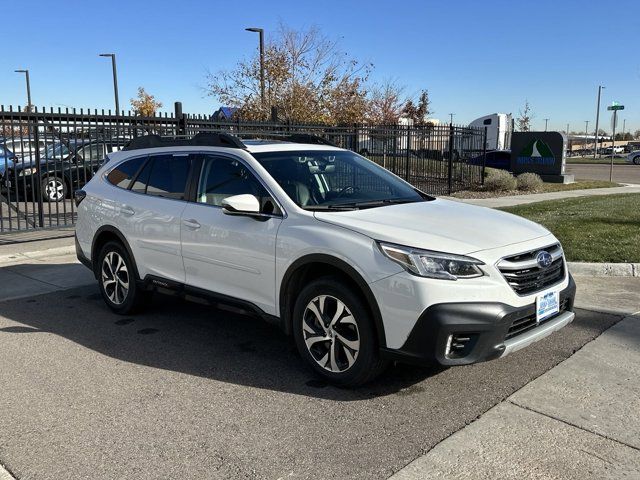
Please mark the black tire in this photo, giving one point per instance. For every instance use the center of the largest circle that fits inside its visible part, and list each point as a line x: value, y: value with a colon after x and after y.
x: 636, y: 160
x: 114, y: 295
x: 54, y: 188
x: 355, y: 322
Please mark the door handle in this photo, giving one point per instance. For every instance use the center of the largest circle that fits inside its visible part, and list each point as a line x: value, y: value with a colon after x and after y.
x: 127, y: 210
x: 191, y: 223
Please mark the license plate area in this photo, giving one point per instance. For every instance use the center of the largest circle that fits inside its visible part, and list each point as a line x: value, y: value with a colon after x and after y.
x: 547, y: 305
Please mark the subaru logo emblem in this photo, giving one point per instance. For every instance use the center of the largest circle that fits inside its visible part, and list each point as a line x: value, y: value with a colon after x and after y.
x: 544, y: 259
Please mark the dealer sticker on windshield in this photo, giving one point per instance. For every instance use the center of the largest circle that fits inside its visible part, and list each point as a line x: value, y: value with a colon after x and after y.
x: 547, y: 305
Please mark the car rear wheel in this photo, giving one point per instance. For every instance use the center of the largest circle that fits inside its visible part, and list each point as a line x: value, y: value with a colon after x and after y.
x: 334, y: 333
x: 636, y: 160
x: 54, y: 189
x: 117, y: 280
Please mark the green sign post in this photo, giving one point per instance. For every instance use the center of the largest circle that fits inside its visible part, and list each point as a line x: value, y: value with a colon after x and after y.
x: 614, y: 107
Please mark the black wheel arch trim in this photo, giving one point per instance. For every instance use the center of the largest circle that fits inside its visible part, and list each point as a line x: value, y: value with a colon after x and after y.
x: 344, y: 267
x: 113, y: 230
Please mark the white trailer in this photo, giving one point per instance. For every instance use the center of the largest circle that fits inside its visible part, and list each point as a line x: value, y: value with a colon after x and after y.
x: 499, y: 129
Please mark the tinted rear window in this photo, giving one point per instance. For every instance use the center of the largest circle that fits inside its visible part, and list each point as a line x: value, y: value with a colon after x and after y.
x: 121, y: 175
x: 165, y: 176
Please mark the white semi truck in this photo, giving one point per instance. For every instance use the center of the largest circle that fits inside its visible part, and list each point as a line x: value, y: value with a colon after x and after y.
x: 499, y: 130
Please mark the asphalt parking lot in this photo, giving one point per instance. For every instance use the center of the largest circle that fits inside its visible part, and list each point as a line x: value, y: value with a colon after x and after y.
x: 621, y: 173
x: 190, y: 391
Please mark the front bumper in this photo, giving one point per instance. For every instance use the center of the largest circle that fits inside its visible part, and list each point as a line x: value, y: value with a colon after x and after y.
x: 464, y: 333
x: 82, y: 258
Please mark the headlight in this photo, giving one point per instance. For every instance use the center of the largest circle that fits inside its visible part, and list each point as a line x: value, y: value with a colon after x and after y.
x: 27, y: 171
x: 430, y: 264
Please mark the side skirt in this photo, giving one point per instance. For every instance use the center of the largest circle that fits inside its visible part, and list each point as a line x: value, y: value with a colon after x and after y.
x: 206, y: 297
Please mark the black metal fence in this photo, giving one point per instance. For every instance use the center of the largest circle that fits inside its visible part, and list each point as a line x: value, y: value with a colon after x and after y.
x: 46, y: 154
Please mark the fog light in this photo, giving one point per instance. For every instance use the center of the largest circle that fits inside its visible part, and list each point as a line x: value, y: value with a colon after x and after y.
x: 459, y: 345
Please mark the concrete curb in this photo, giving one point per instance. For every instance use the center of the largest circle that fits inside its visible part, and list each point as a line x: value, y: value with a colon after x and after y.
x: 50, y: 252
x: 562, y: 410
x: 605, y: 269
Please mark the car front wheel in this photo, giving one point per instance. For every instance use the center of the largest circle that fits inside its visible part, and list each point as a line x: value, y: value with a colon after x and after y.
x: 54, y: 189
x: 334, y: 333
x: 636, y: 159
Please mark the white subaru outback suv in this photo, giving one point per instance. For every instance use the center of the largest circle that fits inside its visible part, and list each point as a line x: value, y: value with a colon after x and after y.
x: 360, y: 267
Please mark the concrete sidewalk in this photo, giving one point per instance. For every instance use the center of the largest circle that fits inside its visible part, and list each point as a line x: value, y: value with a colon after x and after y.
x: 40, y: 267
x: 577, y: 421
x: 540, y: 197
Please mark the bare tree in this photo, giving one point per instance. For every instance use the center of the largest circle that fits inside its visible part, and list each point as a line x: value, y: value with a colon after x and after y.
x: 525, y: 116
x: 386, y: 103
x: 420, y: 111
x: 307, y: 77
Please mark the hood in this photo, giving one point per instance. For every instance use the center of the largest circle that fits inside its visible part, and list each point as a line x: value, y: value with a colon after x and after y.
x: 440, y: 225
x: 30, y: 161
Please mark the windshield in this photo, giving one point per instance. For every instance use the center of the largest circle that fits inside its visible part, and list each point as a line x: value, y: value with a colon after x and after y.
x: 331, y: 179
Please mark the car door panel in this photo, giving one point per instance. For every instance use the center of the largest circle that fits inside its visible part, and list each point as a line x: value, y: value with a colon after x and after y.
x: 228, y: 254
x: 151, y: 221
x: 152, y: 225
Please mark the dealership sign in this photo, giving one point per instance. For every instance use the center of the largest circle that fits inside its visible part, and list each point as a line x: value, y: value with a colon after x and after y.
x: 538, y: 152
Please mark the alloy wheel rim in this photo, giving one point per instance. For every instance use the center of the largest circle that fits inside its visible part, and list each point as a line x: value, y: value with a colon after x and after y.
x: 54, y: 189
x: 115, y: 278
x: 331, y: 333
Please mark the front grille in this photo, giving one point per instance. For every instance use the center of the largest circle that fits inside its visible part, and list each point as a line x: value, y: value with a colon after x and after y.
x: 525, y: 276
x: 524, y: 324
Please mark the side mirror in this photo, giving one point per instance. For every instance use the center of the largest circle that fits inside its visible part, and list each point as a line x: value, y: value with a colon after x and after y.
x: 245, y: 204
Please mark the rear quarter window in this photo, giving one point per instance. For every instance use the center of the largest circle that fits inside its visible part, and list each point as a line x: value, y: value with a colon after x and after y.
x: 122, y: 175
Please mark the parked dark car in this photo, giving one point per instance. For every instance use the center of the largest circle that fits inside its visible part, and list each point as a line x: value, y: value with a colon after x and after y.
x: 7, y: 157
x: 64, y: 168
x: 495, y: 159
x: 7, y: 160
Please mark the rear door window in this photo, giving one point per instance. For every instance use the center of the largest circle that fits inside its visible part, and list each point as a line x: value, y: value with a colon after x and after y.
x: 164, y: 176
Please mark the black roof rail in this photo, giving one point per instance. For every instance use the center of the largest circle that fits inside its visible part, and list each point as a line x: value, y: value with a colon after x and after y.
x: 307, y: 138
x: 217, y: 139
x: 293, y: 138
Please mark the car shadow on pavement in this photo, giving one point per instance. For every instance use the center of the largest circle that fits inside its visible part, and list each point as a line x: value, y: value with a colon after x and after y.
x: 186, y: 337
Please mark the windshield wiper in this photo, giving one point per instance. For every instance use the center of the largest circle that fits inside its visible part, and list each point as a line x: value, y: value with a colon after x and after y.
x: 321, y: 208
x: 378, y: 203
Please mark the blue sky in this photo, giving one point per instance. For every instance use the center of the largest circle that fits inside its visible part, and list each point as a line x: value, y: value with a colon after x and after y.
x: 474, y: 57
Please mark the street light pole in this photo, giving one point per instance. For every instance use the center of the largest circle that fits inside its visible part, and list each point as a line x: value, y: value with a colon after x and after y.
x: 26, y: 74
x: 546, y: 122
x: 451, y: 117
x: 115, y: 78
x: 260, y: 31
x: 586, y: 133
x: 595, y: 151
